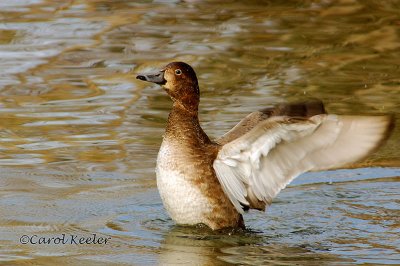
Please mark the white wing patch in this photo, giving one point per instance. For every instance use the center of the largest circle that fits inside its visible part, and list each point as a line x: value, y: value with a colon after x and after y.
x: 257, y: 165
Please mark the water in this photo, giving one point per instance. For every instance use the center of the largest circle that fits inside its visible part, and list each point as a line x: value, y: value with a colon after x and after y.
x: 79, y: 135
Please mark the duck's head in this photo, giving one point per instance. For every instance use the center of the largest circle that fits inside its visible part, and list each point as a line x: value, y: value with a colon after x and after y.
x: 179, y: 81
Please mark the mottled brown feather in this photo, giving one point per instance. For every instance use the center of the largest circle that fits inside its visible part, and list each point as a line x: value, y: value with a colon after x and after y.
x: 307, y: 108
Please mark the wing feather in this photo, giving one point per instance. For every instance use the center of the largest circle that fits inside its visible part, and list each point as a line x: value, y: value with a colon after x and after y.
x: 253, y: 168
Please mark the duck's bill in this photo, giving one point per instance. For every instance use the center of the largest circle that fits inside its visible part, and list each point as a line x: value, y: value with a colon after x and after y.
x: 157, y: 78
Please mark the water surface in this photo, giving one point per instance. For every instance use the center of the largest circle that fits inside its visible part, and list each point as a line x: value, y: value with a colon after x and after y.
x: 79, y: 135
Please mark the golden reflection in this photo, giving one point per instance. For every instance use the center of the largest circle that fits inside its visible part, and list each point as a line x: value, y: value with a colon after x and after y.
x: 342, y: 8
x: 79, y: 136
x: 383, y: 39
x: 7, y: 36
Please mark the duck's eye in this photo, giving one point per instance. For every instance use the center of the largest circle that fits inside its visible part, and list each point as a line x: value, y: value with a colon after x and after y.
x: 178, y: 71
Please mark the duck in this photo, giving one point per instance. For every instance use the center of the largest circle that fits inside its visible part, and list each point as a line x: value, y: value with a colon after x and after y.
x: 214, y: 182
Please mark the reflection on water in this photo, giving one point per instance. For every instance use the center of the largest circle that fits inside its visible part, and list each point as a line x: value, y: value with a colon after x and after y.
x: 79, y: 136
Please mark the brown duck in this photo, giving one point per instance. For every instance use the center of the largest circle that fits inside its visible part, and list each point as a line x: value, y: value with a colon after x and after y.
x: 202, y: 181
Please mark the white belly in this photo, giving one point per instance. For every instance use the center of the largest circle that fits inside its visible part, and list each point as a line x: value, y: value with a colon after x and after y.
x: 183, y: 201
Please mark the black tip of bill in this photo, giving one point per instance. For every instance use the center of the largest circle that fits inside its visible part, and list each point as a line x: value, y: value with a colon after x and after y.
x: 157, y: 78
x: 141, y: 77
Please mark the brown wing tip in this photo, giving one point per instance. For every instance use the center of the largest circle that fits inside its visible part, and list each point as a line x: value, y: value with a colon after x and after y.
x: 391, y: 122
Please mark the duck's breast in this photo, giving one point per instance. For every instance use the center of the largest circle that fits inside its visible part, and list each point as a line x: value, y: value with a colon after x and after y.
x: 183, y: 200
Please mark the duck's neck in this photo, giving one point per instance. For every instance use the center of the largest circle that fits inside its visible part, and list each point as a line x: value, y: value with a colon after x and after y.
x: 183, y: 125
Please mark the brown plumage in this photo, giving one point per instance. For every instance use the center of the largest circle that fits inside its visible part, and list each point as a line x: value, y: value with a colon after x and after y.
x: 212, y: 182
x: 307, y: 108
x: 196, y: 156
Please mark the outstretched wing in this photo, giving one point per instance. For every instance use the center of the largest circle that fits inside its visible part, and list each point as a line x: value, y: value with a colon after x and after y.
x: 307, y: 108
x: 254, y: 167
